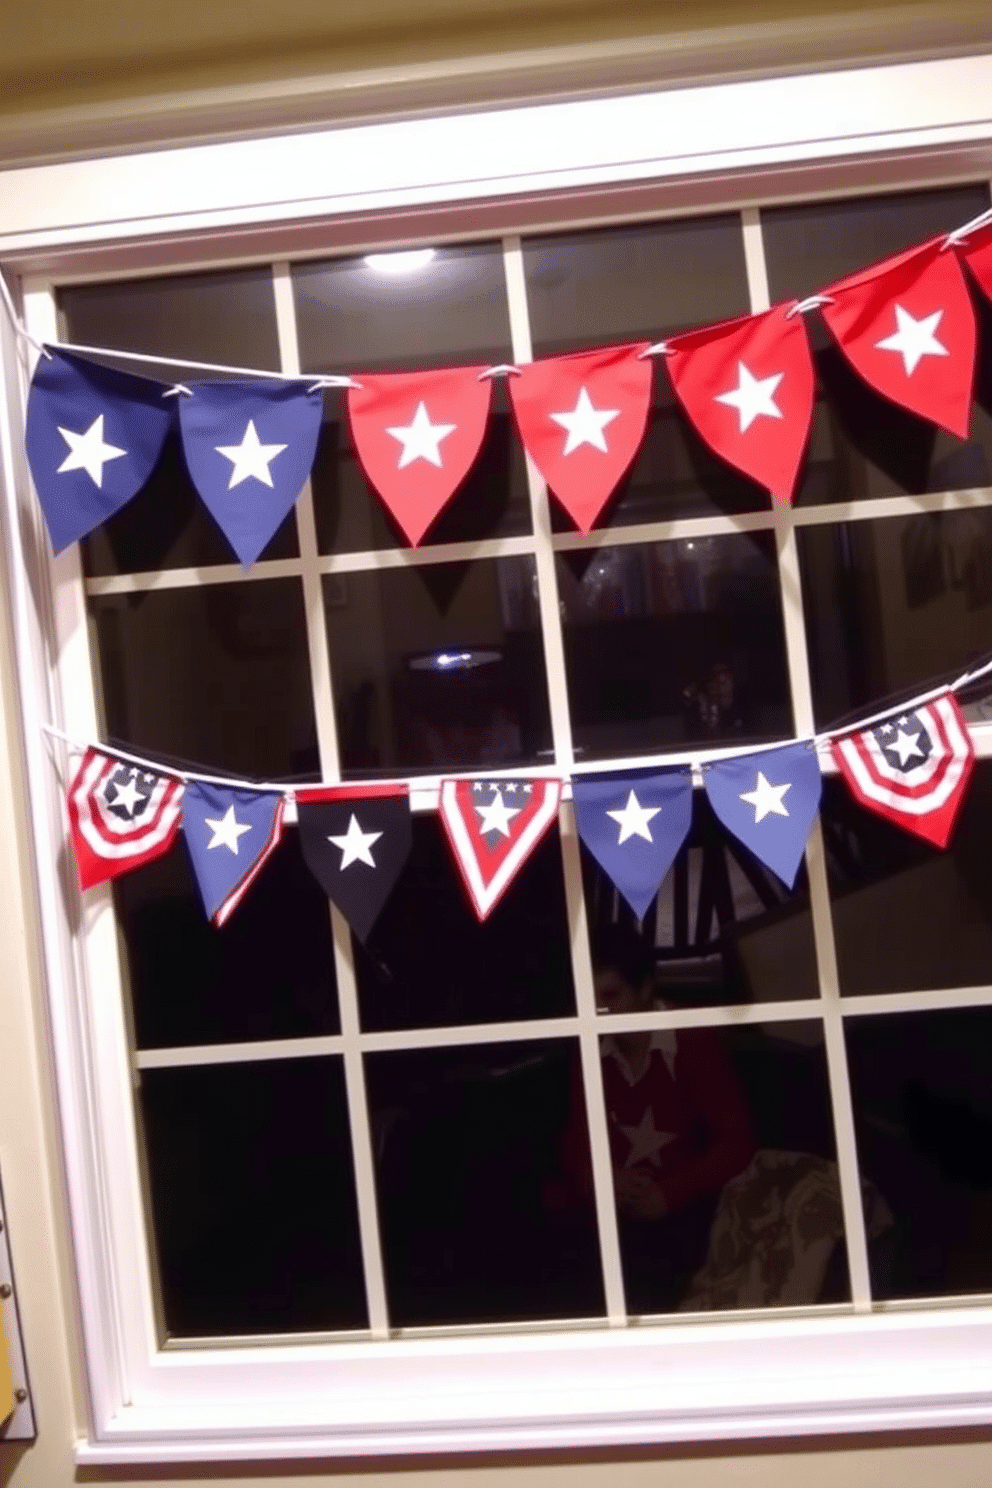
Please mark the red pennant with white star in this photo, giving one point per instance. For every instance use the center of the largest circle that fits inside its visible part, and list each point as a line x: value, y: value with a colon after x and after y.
x: 977, y: 254
x: 907, y: 327
x: 582, y: 418
x: 493, y: 826
x: 747, y: 385
x: 417, y: 435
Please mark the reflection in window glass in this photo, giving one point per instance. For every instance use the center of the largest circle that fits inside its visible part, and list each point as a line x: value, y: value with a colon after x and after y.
x: 674, y: 643
x: 468, y: 1172
x: 429, y: 961
x: 921, y: 1085
x: 438, y: 666
x: 253, y: 1198
x: 217, y: 676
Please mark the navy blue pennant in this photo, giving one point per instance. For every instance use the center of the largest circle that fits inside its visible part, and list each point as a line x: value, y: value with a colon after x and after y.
x: 634, y: 823
x: 768, y: 801
x: 230, y: 834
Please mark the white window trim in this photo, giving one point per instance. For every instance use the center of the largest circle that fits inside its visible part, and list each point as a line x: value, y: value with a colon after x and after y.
x: 721, y: 1378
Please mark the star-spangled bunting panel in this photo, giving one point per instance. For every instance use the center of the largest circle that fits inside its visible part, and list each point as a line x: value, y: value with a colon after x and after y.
x: 230, y: 833
x: 912, y: 767
x: 582, y: 418
x: 249, y: 448
x: 355, y: 840
x: 747, y: 386
x: 417, y: 435
x: 121, y: 816
x: 493, y: 826
x: 93, y: 438
x: 768, y: 801
x: 634, y: 822
x: 907, y: 326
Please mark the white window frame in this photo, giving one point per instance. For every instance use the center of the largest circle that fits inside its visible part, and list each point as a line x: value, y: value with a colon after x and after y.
x: 726, y: 145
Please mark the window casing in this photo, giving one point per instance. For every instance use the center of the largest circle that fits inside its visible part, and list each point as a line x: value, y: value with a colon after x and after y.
x: 842, y: 1368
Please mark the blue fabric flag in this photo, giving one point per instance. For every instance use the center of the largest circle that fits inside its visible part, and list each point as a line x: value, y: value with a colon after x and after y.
x: 93, y: 438
x: 634, y: 823
x: 249, y: 448
x: 230, y: 835
x: 768, y: 801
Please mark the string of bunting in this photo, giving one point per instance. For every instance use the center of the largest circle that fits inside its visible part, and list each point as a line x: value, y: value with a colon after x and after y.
x: 906, y: 325
x: 910, y: 764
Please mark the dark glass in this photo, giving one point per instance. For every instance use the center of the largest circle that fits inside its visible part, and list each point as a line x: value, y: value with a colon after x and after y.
x: 438, y: 666
x: 467, y: 1144
x: 224, y: 317
x: 673, y: 644
x: 646, y: 282
x: 267, y: 974
x: 863, y: 445
x: 893, y: 605
x: 217, y: 675
x: 908, y: 917
x: 429, y: 962
x: 922, y: 1090
x: 723, y: 929
x: 253, y: 1198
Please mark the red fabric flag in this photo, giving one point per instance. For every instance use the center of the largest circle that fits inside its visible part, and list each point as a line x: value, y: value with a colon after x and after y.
x: 747, y: 385
x: 582, y: 418
x: 121, y: 816
x: 977, y: 254
x: 907, y: 327
x: 417, y: 435
x: 493, y: 826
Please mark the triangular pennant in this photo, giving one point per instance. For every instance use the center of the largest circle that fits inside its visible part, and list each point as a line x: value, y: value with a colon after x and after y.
x: 912, y: 767
x: 907, y: 326
x: 417, y: 435
x: 582, y: 418
x: 977, y: 254
x: 249, y: 448
x: 768, y: 801
x: 747, y: 386
x: 493, y: 826
x: 634, y: 823
x: 93, y: 438
x: 230, y: 834
x: 355, y: 840
x: 121, y: 816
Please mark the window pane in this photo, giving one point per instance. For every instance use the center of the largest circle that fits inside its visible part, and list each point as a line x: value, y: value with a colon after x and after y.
x: 217, y: 675
x: 672, y: 644
x: 646, y: 282
x: 922, y: 1090
x: 467, y: 1165
x: 891, y: 605
x: 723, y: 929
x: 253, y: 1198
x: 226, y: 317
x: 268, y: 973
x: 438, y: 666
x: 906, y: 916
x: 430, y: 962
x: 863, y: 445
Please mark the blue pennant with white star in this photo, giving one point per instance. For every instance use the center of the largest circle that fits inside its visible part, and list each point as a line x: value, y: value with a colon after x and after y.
x: 230, y: 835
x: 634, y: 823
x: 93, y: 438
x: 249, y: 448
x: 768, y: 801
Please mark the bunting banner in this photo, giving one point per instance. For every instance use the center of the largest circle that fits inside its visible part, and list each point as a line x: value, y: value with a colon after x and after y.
x: 493, y: 826
x: 634, y: 823
x: 977, y: 254
x: 355, y: 840
x: 120, y: 816
x: 230, y: 835
x: 768, y: 800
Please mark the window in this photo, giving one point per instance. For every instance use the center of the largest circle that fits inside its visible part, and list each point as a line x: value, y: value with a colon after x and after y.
x: 304, y: 1171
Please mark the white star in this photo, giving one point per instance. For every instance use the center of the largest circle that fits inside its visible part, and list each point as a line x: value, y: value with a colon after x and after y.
x: 905, y: 746
x: 585, y: 424
x: 88, y: 451
x: 766, y: 799
x: 250, y: 460
x: 227, y: 830
x: 126, y: 795
x: 421, y: 440
x: 496, y: 817
x: 646, y: 1141
x: 914, y: 339
x: 633, y: 819
x: 753, y: 397
x: 355, y: 845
